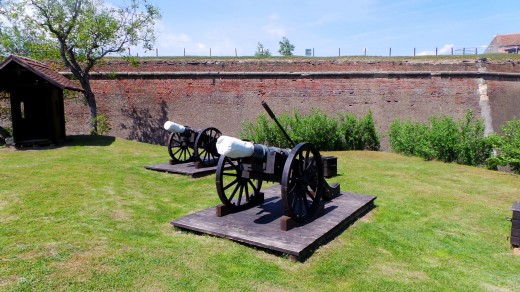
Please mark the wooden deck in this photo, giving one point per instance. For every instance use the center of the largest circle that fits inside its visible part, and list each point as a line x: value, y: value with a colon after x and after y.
x: 183, y: 168
x: 260, y: 225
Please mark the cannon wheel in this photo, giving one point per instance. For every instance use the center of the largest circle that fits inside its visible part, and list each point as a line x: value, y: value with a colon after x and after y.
x: 206, y: 146
x: 234, y: 191
x: 302, y: 182
x: 178, y: 152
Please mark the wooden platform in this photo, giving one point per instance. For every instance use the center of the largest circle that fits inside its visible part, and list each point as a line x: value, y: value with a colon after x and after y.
x: 260, y: 226
x: 183, y: 168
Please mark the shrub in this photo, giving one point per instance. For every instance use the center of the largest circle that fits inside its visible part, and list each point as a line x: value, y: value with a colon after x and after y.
x: 103, y: 124
x: 473, y: 148
x: 443, y: 139
x: 507, y: 146
x: 326, y: 133
x: 359, y: 134
x: 410, y: 138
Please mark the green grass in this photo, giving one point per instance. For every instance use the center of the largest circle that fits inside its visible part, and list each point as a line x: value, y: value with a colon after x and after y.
x: 89, y: 216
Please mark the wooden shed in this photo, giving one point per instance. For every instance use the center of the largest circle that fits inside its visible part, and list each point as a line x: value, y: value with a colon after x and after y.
x: 36, y: 96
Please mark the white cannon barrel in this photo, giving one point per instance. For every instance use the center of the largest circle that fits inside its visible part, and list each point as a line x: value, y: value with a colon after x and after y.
x: 174, y: 127
x: 236, y: 148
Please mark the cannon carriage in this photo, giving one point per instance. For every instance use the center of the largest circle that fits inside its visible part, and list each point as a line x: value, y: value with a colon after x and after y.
x: 243, y: 167
x: 188, y: 145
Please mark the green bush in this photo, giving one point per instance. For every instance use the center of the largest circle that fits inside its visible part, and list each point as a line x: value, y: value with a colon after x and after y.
x: 410, y: 138
x: 442, y: 139
x: 326, y: 133
x: 103, y: 124
x: 507, y: 146
x: 473, y: 147
x: 359, y: 134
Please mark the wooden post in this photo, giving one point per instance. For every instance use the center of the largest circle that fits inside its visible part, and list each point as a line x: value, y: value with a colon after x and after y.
x: 365, y: 50
x: 184, y: 52
x: 156, y: 52
x: 436, y: 51
x: 339, y: 52
x: 313, y: 52
x: 414, y: 52
x: 390, y: 53
x: 236, y: 55
x: 210, y: 52
x: 452, y: 51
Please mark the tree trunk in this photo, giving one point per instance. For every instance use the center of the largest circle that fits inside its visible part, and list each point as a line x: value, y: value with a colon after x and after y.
x: 91, y: 102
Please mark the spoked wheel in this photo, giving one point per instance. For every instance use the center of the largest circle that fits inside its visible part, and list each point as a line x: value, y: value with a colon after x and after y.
x: 178, y: 149
x: 234, y: 191
x: 302, y: 182
x: 206, y: 146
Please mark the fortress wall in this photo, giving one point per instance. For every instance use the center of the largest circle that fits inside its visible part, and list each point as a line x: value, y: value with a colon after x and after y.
x: 226, y: 93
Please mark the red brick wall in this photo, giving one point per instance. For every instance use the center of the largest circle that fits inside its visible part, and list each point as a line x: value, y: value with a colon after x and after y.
x: 137, y: 106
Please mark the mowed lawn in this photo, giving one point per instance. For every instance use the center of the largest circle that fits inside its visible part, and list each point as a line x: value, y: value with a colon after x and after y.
x: 89, y: 216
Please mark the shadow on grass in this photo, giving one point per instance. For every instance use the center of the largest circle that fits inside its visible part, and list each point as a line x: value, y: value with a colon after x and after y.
x: 89, y: 140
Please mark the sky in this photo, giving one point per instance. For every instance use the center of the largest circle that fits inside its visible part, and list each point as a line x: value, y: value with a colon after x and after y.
x: 330, y: 27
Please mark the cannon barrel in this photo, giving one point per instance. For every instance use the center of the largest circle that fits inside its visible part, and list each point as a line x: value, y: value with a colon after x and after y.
x: 174, y: 127
x: 236, y: 148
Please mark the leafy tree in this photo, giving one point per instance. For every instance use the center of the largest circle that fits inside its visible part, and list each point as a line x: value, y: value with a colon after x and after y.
x: 83, y: 31
x: 261, y: 52
x: 286, y: 48
x: 17, y: 39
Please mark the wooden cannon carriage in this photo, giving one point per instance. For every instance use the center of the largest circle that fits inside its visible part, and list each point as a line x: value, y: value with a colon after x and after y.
x: 243, y: 166
x: 188, y: 145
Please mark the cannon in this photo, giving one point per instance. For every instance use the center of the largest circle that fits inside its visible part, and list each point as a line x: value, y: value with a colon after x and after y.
x: 188, y: 145
x: 243, y: 166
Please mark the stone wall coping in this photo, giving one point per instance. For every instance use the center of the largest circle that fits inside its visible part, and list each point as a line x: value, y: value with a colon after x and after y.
x: 335, y: 74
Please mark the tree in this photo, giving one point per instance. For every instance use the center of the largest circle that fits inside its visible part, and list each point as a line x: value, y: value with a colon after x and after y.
x: 83, y: 31
x: 18, y: 40
x: 261, y: 52
x: 286, y: 48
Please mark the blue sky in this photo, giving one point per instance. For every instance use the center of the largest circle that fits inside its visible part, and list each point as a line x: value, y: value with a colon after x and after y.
x: 331, y: 26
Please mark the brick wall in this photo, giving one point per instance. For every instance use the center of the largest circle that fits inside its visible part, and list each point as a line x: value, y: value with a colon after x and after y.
x: 226, y: 92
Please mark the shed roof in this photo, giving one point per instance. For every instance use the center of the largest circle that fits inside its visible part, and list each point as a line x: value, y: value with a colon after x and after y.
x: 507, y: 39
x: 43, y: 71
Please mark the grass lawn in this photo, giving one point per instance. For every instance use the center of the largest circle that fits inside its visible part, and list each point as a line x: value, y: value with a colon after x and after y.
x: 89, y: 216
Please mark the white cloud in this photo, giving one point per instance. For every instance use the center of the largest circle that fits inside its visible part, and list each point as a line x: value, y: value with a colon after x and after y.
x: 445, y: 50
